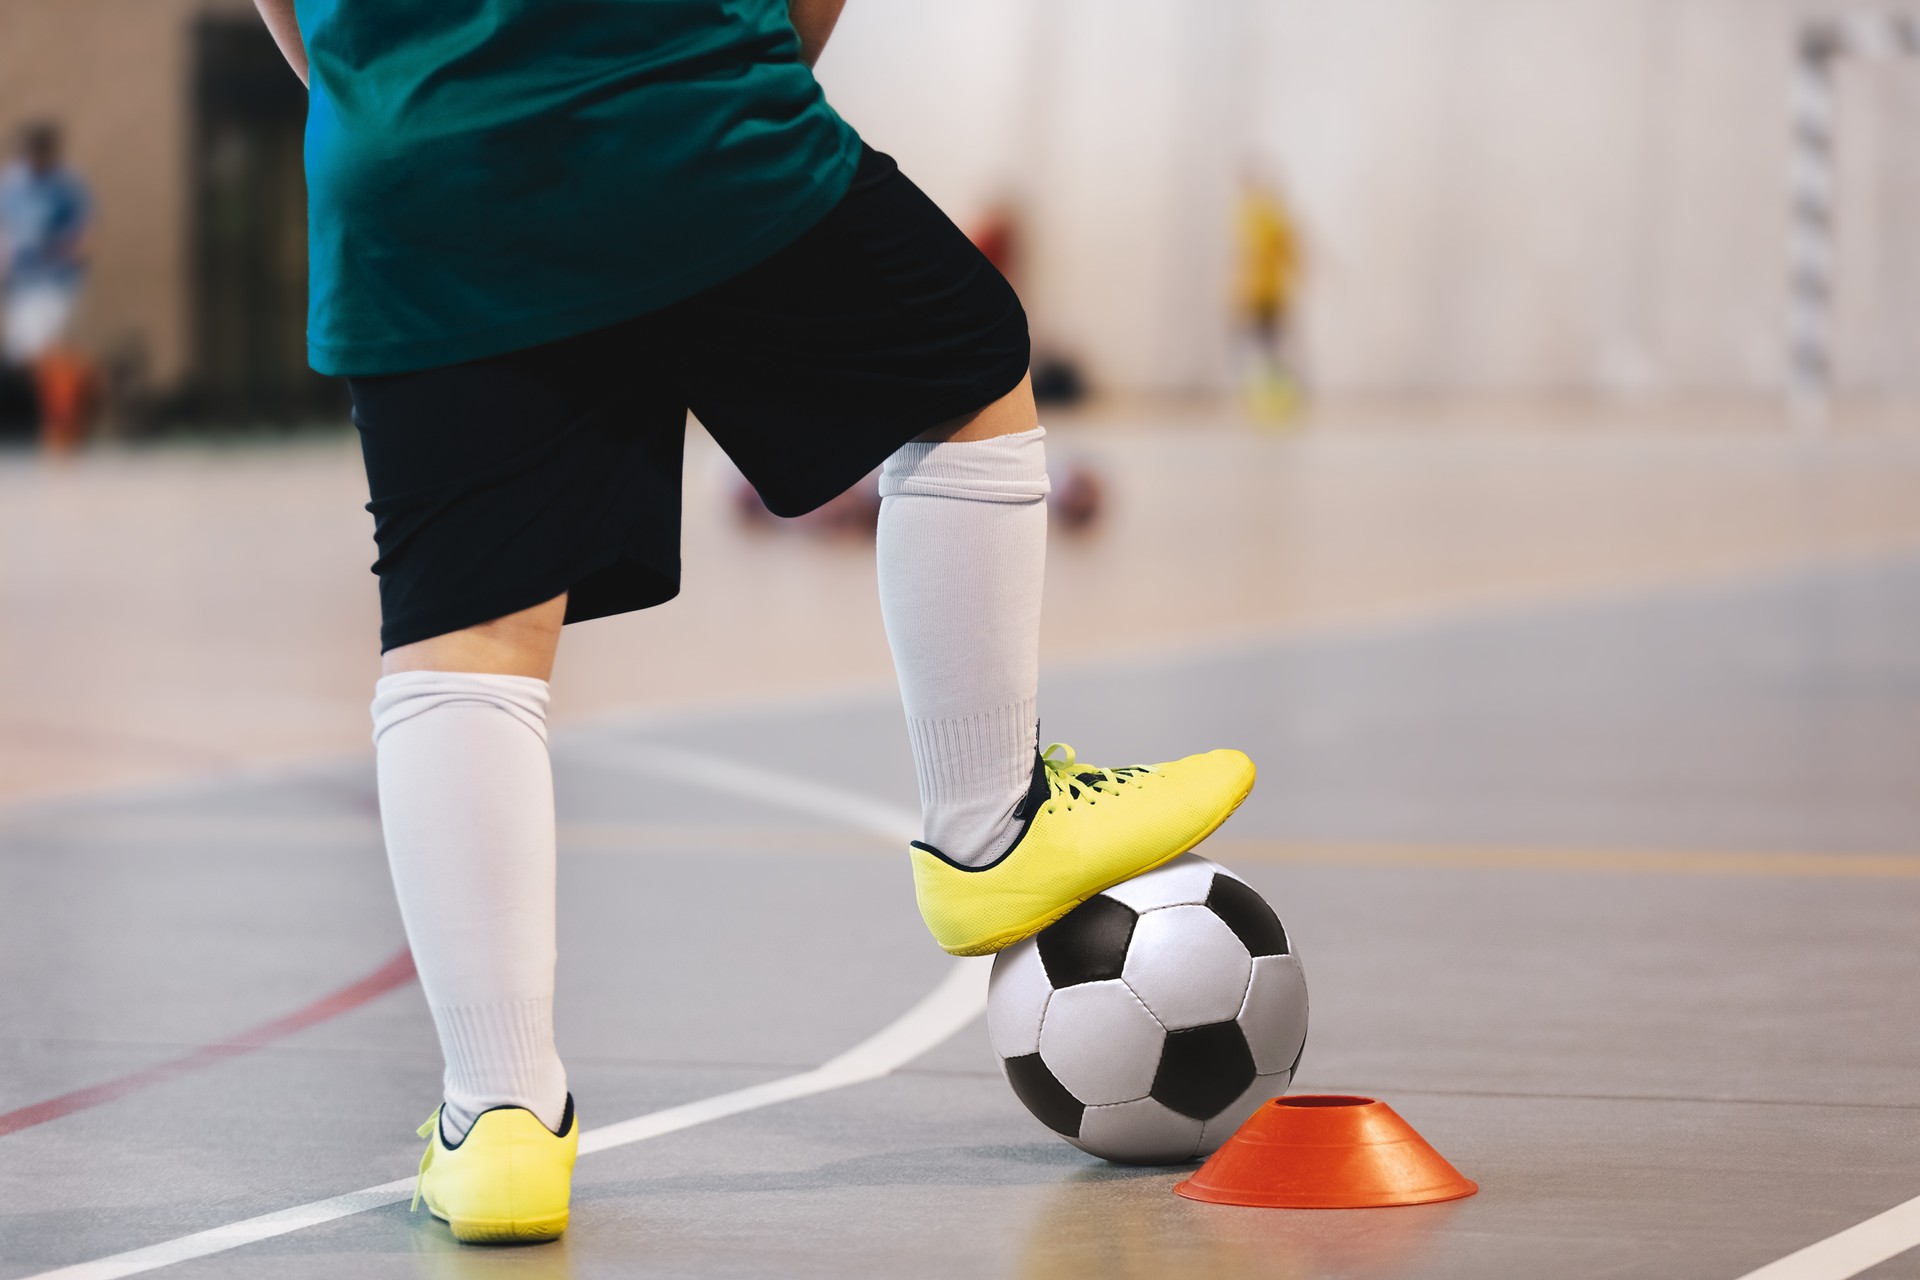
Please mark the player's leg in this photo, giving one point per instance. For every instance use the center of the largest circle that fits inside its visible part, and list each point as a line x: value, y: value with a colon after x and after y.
x: 510, y: 495
x: 883, y: 337
x: 962, y: 545
x: 1011, y: 841
x: 466, y: 804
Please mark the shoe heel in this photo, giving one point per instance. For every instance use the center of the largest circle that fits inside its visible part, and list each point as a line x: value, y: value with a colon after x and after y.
x: 512, y: 1231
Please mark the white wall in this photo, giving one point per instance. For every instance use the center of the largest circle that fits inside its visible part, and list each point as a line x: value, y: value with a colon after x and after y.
x: 1530, y: 195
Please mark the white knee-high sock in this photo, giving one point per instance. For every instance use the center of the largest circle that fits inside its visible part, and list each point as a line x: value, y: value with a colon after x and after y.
x: 466, y: 801
x: 962, y: 550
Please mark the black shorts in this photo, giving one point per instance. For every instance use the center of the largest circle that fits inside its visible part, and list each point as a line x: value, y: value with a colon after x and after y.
x: 501, y: 483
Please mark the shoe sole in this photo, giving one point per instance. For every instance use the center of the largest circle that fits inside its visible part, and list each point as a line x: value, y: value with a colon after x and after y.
x: 1001, y: 941
x: 510, y: 1231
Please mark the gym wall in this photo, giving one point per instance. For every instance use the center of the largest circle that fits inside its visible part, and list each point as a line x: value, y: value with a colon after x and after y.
x: 1499, y: 196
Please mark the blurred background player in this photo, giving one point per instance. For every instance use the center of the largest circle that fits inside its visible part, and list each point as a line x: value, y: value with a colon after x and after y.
x: 44, y: 213
x: 1268, y: 274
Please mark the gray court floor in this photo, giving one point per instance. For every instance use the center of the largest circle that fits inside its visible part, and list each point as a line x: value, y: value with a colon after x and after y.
x: 1482, y: 834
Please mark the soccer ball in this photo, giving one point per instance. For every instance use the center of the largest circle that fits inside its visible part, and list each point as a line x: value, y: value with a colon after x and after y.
x: 1146, y: 1024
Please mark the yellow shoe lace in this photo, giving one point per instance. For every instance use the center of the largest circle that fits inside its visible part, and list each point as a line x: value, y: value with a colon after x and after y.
x: 426, y: 1157
x: 1069, y: 780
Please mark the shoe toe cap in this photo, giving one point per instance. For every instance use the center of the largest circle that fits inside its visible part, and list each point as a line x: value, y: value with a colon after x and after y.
x: 1225, y: 765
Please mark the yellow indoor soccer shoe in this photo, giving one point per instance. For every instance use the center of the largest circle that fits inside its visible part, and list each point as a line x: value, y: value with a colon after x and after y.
x: 1087, y: 829
x: 507, y: 1182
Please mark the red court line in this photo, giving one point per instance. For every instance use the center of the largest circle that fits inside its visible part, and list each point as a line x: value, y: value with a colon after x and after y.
x: 395, y: 973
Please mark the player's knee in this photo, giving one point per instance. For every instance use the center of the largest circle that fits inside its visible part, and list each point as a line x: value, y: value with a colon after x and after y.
x: 521, y: 643
x: 1009, y: 415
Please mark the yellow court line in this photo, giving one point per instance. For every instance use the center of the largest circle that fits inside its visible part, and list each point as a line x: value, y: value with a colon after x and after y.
x: 585, y: 837
x: 1648, y: 862
x: 616, y: 837
x: 773, y: 838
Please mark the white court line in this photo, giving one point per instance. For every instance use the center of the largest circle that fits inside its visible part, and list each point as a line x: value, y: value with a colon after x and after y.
x: 719, y: 773
x: 1837, y: 1258
x: 957, y: 1001
x: 960, y: 997
x: 1883, y: 1236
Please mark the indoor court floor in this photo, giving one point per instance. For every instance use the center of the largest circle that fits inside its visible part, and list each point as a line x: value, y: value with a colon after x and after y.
x: 1609, y: 889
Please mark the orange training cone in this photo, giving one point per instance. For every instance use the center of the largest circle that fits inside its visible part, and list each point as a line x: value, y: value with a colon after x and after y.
x: 1325, y: 1152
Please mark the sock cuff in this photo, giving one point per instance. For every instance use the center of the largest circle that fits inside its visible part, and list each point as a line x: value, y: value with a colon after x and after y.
x: 522, y: 1027
x: 500, y: 1055
x: 962, y: 756
x: 1000, y: 469
x: 404, y: 695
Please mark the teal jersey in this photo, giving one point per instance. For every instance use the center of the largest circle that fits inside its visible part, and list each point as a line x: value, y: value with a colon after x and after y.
x: 488, y: 175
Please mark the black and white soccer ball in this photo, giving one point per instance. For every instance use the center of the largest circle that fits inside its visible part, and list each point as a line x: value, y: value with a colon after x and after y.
x: 1147, y: 1024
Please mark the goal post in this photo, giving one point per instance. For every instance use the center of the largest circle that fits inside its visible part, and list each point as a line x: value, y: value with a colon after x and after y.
x: 1822, y: 44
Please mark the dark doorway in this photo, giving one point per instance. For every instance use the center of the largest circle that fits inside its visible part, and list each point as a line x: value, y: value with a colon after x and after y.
x: 249, y: 233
